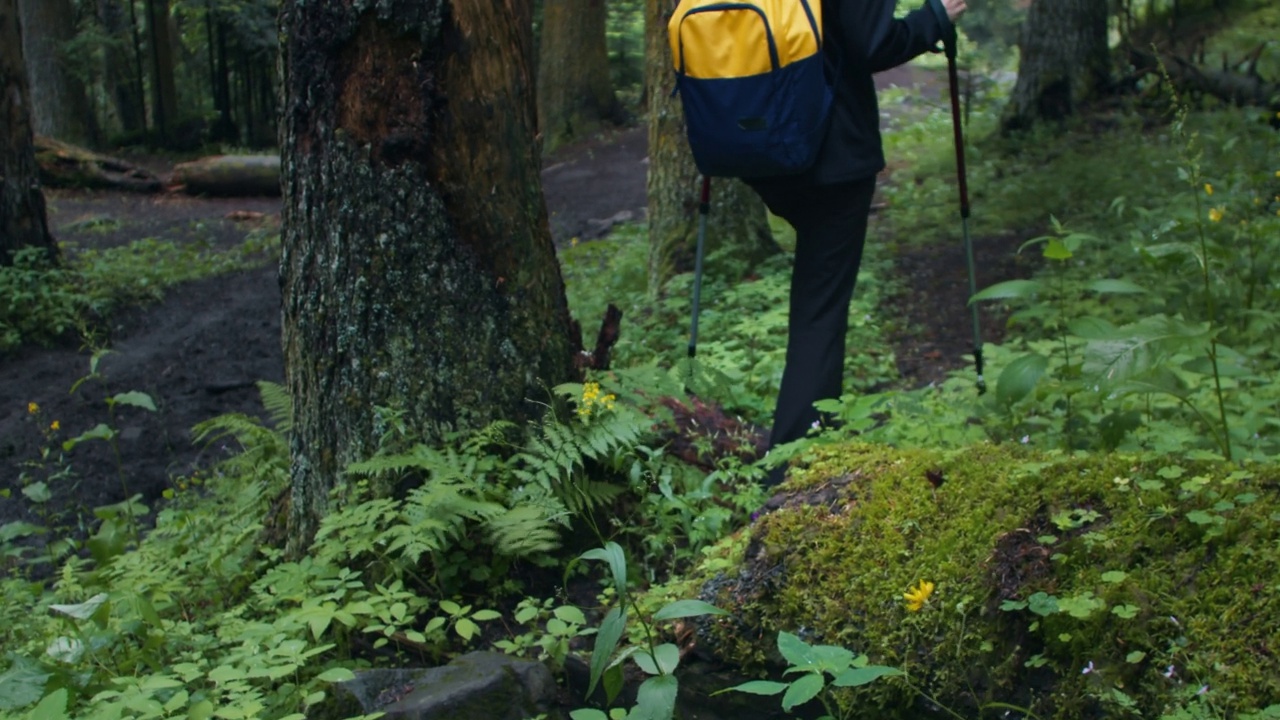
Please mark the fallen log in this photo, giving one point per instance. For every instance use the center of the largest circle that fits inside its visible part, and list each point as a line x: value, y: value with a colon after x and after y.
x: 230, y: 175
x: 1241, y: 89
x: 63, y: 165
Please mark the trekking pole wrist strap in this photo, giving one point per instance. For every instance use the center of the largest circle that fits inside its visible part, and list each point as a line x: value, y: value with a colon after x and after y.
x: 945, y: 27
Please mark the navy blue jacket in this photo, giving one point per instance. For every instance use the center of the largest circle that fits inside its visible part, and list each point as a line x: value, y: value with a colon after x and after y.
x: 864, y: 39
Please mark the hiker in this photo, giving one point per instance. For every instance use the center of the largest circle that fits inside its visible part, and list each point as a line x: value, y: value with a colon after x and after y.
x: 829, y: 204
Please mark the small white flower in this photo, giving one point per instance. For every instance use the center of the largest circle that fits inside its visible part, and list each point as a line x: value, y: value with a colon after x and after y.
x: 1203, y: 689
x: 817, y: 425
x: 1087, y: 668
x: 1026, y: 439
x: 1169, y: 672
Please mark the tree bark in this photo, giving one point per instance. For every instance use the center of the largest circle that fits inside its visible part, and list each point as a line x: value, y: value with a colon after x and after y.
x: 164, y: 88
x: 418, y: 270
x: 738, y: 225
x: 59, y: 106
x: 23, y: 222
x: 575, y: 92
x: 1064, y: 61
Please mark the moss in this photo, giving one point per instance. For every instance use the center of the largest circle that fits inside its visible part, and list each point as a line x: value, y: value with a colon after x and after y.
x: 1044, y: 565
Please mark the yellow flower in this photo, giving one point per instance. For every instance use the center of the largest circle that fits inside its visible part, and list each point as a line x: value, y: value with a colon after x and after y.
x: 1208, y: 189
x: 1215, y: 214
x: 32, y: 408
x: 573, y: 242
x: 917, y: 596
x: 55, y: 426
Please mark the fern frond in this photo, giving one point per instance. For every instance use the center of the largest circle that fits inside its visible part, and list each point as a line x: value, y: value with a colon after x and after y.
x: 278, y: 404
x: 522, y: 531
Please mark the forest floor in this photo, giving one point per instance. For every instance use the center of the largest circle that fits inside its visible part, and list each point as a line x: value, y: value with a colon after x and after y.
x: 199, y: 352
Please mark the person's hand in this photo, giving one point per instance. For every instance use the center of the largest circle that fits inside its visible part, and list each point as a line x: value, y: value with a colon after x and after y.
x: 955, y: 8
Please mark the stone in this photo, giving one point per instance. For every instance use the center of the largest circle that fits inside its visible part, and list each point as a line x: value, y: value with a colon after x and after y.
x: 475, y: 686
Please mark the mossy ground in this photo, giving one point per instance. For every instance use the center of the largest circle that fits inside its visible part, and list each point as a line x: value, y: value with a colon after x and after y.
x: 1045, y: 565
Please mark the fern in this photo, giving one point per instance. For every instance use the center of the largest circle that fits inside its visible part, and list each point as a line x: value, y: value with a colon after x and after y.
x: 278, y: 404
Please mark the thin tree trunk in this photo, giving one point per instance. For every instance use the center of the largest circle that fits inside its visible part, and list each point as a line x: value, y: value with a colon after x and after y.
x: 738, y: 226
x: 122, y: 87
x: 23, y: 222
x: 418, y: 269
x: 1063, y: 63
x: 59, y: 106
x: 164, y: 88
x: 575, y: 92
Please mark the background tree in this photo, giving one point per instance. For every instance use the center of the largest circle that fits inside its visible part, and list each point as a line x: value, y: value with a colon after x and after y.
x: 23, y: 222
x: 164, y: 84
x: 1064, y: 61
x: 122, y: 66
x: 575, y: 92
x: 418, y: 270
x: 738, y: 227
x: 59, y: 106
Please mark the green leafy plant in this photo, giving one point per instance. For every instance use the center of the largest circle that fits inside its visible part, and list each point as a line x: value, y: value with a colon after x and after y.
x: 819, y: 667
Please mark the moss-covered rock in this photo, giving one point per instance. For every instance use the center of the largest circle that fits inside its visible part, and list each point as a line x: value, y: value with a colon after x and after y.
x: 1071, y: 586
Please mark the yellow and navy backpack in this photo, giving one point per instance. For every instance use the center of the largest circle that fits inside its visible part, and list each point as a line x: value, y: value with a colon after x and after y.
x: 754, y: 84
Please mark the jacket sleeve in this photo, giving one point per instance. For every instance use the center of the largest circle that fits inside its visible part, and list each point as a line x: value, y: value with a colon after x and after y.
x: 884, y: 41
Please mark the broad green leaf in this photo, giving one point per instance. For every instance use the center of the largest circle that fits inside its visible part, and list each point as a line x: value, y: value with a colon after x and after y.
x: 570, y: 614
x: 135, y: 399
x: 646, y: 663
x: 797, y: 652
x: 226, y: 673
x: 37, y: 492
x: 1148, y: 343
x: 22, y: 684
x: 668, y: 657
x: 52, y: 707
x: 587, y: 714
x: 450, y: 607
x: 1019, y: 377
x: 656, y: 699
x: 1008, y: 290
x: 65, y: 650
x: 1042, y: 604
x: 101, y: 432
x: 1114, y: 576
x: 466, y: 629
x: 758, y: 687
x: 1135, y: 657
x: 1115, y: 287
x: 15, y: 530
x: 863, y: 675
x: 1055, y: 249
x: 802, y: 691
x: 687, y: 608
x: 84, y: 610
x: 334, y: 675
x: 613, y: 681
x: 486, y: 615
x: 1159, y: 380
x: 1094, y: 328
x: 606, y: 642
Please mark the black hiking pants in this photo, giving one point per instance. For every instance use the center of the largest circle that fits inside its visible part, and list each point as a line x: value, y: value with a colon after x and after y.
x: 831, y: 227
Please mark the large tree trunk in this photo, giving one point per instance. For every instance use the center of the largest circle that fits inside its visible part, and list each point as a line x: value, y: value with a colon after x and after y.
x: 23, y: 222
x: 575, y: 92
x: 121, y: 82
x: 164, y: 87
x: 59, y: 105
x: 418, y: 269
x: 1063, y: 61
x: 738, y: 226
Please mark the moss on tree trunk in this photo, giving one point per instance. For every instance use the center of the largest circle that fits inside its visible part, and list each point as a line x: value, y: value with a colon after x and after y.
x: 418, y: 270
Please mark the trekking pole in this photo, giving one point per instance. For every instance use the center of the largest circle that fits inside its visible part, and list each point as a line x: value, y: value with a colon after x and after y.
x: 949, y: 46
x: 704, y: 207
